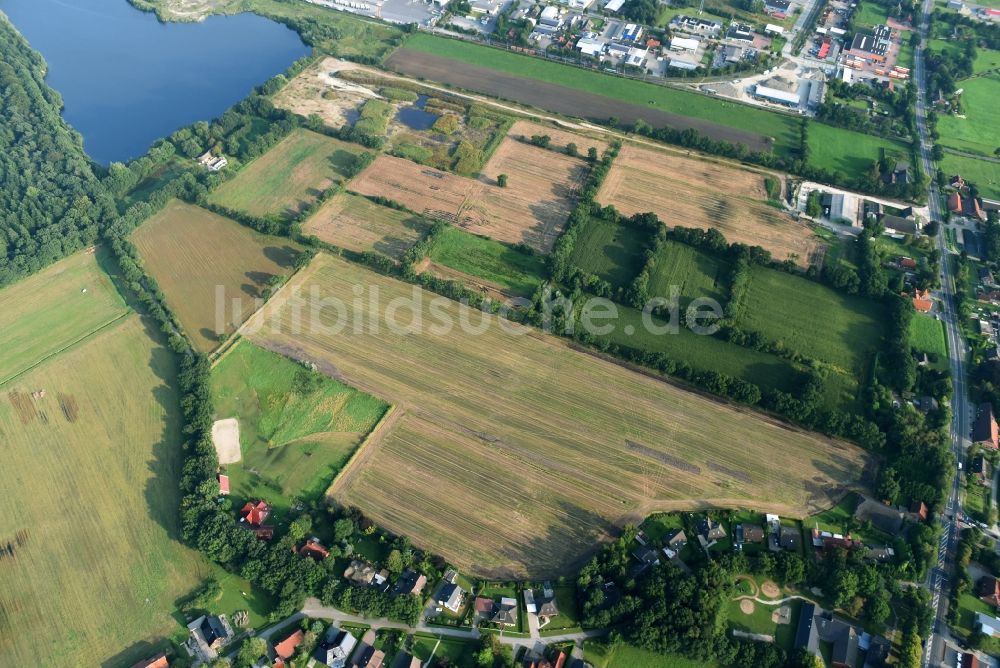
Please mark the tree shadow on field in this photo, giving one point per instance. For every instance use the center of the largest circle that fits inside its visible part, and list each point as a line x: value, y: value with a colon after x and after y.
x: 144, y: 649
x: 162, y: 492
x: 283, y: 256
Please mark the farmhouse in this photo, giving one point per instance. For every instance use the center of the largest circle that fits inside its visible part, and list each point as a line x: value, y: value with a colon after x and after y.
x: 253, y: 515
x: 158, y: 661
x: 984, y: 430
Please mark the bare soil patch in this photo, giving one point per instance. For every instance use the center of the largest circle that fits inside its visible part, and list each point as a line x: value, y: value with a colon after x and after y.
x: 226, y: 439
x: 319, y: 90
x: 770, y: 590
x: 697, y: 193
x: 560, y: 99
x: 746, y: 606
x: 783, y: 615
x: 532, y: 209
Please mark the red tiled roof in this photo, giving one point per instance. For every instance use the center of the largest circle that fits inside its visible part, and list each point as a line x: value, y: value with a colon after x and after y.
x: 919, y: 508
x: 158, y: 661
x: 255, y: 513
x: 315, y: 550
x: 286, y: 647
x: 223, y: 484
x: 955, y: 203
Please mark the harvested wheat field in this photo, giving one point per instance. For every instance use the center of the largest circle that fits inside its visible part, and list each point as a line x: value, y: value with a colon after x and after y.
x: 516, y: 454
x: 560, y: 138
x: 696, y: 193
x: 212, y: 270
x: 352, y: 222
x: 532, y: 209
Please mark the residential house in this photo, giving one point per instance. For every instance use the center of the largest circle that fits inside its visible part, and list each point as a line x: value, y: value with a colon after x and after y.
x: 484, y: 606
x: 990, y: 626
x: 696, y: 26
x: 360, y: 573
x: 529, y: 601
x: 548, y: 608
x: 880, y: 554
x: 922, y: 301
x: 223, y: 484
x: 844, y: 640
x: 505, y: 613
x: 984, y: 430
x: 988, y: 590
x: 253, y: 515
x: 336, y: 648
x: 286, y: 647
x: 882, y: 517
x: 410, y: 582
x: 450, y: 596
x: 749, y: 533
x: 315, y: 549
x: 158, y: 661
x: 918, y: 511
x: 907, y: 263
x: 676, y: 540
x: 208, y: 634
x: 370, y: 658
x: 646, y: 556
x: 709, y: 531
x: 926, y: 404
x: 790, y: 538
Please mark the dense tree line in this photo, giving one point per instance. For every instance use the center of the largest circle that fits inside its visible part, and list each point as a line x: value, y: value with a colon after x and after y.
x: 51, y: 202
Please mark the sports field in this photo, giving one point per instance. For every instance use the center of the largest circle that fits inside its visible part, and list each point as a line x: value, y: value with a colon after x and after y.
x: 705, y: 194
x: 812, y: 319
x: 589, y: 93
x: 357, y: 224
x: 978, y: 131
x: 532, y: 209
x: 90, y: 479
x: 515, y: 271
x: 288, y: 177
x: 505, y: 459
x: 212, y: 270
x: 297, y: 428
x: 54, y: 309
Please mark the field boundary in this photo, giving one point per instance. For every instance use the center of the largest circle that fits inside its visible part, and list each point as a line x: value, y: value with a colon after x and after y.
x: 362, y: 453
x: 72, y: 344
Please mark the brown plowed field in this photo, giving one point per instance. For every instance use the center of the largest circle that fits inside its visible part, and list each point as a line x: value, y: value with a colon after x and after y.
x: 560, y: 99
x: 516, y: 454
x: 532, y: 209
x: 697, y: 193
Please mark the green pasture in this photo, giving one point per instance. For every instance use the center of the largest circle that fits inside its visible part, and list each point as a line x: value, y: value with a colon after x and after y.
x: 516, y: 270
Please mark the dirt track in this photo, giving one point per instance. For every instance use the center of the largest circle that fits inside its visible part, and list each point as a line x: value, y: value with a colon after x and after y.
x: 559, y: 99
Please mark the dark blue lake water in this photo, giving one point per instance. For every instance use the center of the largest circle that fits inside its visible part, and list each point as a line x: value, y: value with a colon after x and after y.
x: 128, y: 80
x: 415, y: 117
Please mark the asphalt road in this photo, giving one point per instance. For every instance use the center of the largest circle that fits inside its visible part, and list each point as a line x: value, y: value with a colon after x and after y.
x: 937, y: 580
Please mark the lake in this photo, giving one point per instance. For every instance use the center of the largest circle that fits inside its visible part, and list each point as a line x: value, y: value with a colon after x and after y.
x: 127, y: 80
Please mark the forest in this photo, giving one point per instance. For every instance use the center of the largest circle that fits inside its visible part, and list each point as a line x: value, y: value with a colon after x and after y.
x: 51, y: 201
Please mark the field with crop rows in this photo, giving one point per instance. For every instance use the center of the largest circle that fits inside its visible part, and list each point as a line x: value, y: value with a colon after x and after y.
x: 357, y: 224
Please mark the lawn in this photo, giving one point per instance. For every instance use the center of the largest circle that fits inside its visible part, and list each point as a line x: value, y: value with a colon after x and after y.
x: 977, y: 501
x: 927, y: 335
x: 568, y: 617
x: 91, y: 478
x: 478, y: 398
x: 213, y: 271
x: 979, y: 131
x: 812, y: 319
x: 784, y: 128
x: 518, y: 271
x: 460, y: 653
x: 986, y: 175
x: 759, y: 621
x: 297, y: 428
x: 55, y: 309
x: 626, y: 656
x: 658, y: 525
x: 847, y: 152
x: 870, y: 14
x: 289, y: 177
x: 696, y: 274
x: 613, y: 252
x: 837, y: 519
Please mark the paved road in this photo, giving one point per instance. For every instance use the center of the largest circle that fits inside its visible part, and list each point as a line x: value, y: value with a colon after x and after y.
x: 937, y: 579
